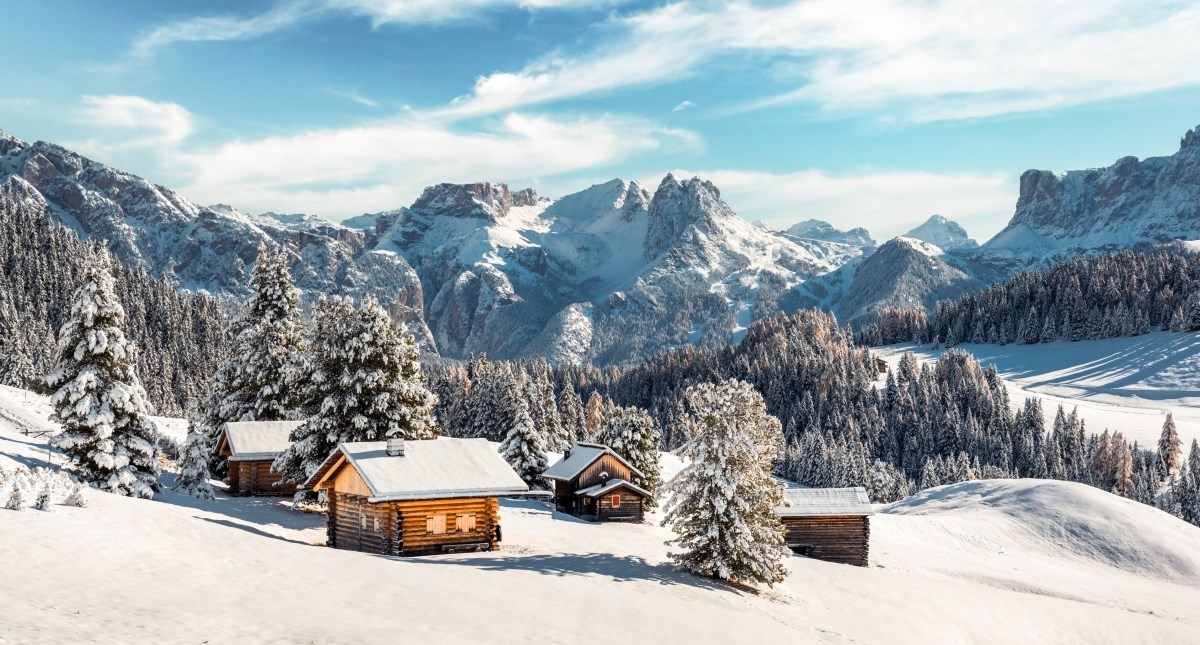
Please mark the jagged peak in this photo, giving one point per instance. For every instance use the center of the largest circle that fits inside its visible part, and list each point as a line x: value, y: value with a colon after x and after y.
x: 1191, y: 139
x: 481, y: 200
x: 943, y: 233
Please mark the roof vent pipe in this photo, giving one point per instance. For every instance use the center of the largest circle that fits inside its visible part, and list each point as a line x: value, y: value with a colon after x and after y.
x: 395, y: 446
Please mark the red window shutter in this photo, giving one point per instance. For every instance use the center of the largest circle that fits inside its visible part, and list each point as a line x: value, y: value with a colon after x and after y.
x: 616, y: 501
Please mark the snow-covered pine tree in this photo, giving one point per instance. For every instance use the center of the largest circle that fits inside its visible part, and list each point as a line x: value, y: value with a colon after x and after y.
x: 45, y: 499
x: 524, y: 448
x: 18, y: 497
x: 721, y: 506
x: 1170, y: 448
x: 78, y: 496
x: 98, y: 398
x: 548, y: 415
x: 366, y: 385
x: 193, y: 464
x: 571, y: 413
x: 632, y: 433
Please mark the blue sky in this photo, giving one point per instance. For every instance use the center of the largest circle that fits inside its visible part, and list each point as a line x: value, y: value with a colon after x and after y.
x: 872, y: 113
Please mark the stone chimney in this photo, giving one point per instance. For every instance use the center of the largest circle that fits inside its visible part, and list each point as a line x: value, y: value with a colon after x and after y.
x: 395, y: 446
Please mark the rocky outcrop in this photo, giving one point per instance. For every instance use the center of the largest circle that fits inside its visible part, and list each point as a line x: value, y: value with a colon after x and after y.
x: 942, y: 233
x: 815, y: 229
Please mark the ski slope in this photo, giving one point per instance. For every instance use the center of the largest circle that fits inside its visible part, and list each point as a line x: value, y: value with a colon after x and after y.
x: 1122, y: 384
x: 990, y: 562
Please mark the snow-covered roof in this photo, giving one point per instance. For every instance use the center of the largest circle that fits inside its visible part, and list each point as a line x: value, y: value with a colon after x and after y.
x: 255, y: 440
x: 579, y: 457
x: 804, y: 502
x: 609, y: 486
x: 429, y: 469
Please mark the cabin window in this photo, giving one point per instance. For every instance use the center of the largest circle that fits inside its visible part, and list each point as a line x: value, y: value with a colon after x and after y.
x: 464, y: 522
x: 362, y: 522
x: 435, y: 524
x: 376, y: 524
x: 616, y: 501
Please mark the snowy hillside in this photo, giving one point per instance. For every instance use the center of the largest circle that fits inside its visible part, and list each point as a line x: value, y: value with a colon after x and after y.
x: 1048, y: 561
x: 1122, y: 384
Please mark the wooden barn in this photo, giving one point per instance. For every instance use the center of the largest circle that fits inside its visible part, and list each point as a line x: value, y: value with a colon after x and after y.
x: 250, y: 447
x: 415, y: 497
x: 594, y: 483
x: 831, y: 524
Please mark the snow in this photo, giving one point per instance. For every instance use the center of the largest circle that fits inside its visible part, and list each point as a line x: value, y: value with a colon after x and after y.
x: 1122, y: 384
x: 251, y: 440
x: 432, y: 468
x: 824, y: 501
x: 987, y: 561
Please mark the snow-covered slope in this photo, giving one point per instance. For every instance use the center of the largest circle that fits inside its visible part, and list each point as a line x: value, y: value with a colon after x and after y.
x: 1005, y: 561
x: 1122, y: 384
x: 815, y: 229
x: 942, y: 233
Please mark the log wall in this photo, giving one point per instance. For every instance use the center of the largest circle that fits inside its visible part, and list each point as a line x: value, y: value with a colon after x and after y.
x: 630, y: 508
x: 399, y: 528
x: 256, y: 478
x: 605, y: 464
x: 843, y: 539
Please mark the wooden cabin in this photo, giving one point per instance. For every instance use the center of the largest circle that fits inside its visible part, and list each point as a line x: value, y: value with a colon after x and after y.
x: 594, y: 483
x: 881, y: 365
x: 250, y: 447
x: 832, y: 524
x: 415, y: 497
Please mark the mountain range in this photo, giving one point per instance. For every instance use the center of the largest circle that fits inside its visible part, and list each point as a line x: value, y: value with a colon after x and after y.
x: 608, y: 274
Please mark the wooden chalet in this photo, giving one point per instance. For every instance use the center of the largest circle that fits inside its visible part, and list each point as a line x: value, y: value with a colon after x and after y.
x: 250, y: 447
x: 415, y: 497
x: 594, y: 483
x: 881, y: 365
x: 831, y: 524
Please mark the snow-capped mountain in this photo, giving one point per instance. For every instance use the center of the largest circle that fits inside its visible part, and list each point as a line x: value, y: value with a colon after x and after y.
x: 200, y: 248
x: 1132, y: 202
x: 815, y: 229
x: 942, y: 233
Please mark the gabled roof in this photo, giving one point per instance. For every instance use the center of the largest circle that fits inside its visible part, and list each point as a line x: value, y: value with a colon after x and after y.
x: 609, y: 486
x: 429, y: 469
x: 579, y: 457
x: 256, y: 440
x: 824, y: 502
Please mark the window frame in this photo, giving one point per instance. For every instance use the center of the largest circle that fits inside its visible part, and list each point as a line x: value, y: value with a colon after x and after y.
x: 432, y: 521
x: 459, y: 521
x: 615, y: 500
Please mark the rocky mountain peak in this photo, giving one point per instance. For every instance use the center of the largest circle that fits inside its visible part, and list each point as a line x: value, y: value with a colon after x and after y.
x: 678, y: 205
x: 478, y: 200
x: 815, y: 229
x: 942, y: 233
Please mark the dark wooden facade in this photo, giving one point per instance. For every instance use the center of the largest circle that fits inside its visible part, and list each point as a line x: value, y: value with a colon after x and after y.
x: 622, y: 503
x: 256, y: 478
x: 410, y: 527
x: 837, y: 538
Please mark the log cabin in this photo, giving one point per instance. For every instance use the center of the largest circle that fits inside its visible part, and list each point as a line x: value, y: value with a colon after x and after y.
x: 831, y: 524
x: 415, y: 497
x: 593, y: 482
x: 250, y: 447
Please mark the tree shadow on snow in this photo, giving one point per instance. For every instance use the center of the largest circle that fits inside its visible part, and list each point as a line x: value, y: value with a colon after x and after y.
x: 621, y: 568
x: 252, y: 530
x: 255, y: 510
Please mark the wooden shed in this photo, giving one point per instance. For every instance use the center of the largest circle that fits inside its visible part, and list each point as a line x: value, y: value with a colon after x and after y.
x: 594, y: 483
x: 415, y: 497
x: 832, y: 524
x: 250, y: 447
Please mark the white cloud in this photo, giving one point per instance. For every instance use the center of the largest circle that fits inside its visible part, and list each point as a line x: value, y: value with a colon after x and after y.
x: 887, y: 203
x: 340, y: 172
x: 683, y: 105
x: 928, y: 61
x: 123, y: 122
x: 380, y: 12
x: 352, y: 96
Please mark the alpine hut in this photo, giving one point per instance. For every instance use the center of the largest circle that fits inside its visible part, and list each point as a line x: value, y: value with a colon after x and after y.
x: 831, y: 524
x: 593, y: 482
x: 250, y: 447
x: 415, y: 497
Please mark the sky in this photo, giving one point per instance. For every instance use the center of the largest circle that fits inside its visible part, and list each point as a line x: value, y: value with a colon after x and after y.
x: 873, y: 113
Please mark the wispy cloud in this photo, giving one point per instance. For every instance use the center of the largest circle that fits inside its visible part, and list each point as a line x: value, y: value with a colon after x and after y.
x: 131, y: 122
x: 345, y: 171
x: 230, y: 27
x: 887, y: 203
x: 927, y: 61
x: 352, y: 96
x: 683, y: 105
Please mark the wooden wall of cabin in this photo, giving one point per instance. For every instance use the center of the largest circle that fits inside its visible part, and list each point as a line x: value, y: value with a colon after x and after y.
x: 355, y: 524
x: 630, y: 508
x: 843, y: 539
x: 605, y: 464
x: 256, y: 478
x: 414, y: 519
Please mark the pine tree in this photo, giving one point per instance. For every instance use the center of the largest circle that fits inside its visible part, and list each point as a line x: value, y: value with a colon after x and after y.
x: 722, y: 503
x: 632, y: 433
x: 45, y: 499
x: 98, y: 398
x: 523, y: 448
x: 594, y: 413
x: 570, y: 410
x: 193, y: 476
x: 18, y: 497
x: 366, y: 385
x: 1170, y: 448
